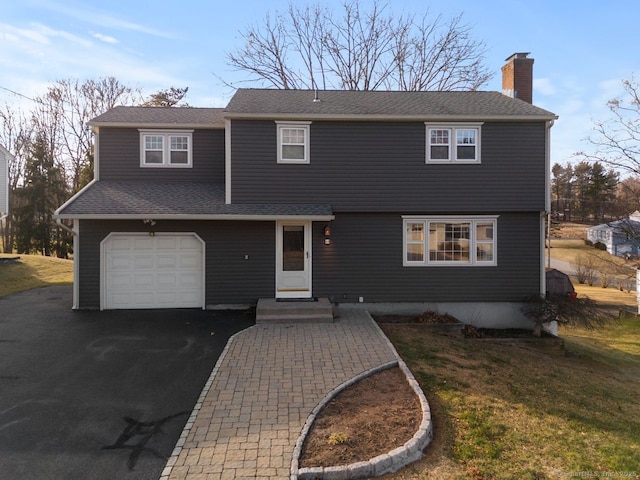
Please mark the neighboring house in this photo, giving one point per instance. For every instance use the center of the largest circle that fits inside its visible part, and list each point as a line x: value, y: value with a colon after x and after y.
x: 407, y: 200
x: 622, y: 237
x: 5, y: 159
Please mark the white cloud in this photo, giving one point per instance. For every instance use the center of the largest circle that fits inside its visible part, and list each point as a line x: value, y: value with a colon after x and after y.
x: 105, y: 38
x: 94, y: 16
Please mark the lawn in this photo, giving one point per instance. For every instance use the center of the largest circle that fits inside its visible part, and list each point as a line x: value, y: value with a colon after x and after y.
x: 24, y: 272
x: 530, y: 411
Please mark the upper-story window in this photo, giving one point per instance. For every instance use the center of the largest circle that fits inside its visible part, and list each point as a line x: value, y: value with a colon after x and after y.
x: 170, y: 148
x: 293, y: 142
x: 449, y: 241
x: 448, y: 143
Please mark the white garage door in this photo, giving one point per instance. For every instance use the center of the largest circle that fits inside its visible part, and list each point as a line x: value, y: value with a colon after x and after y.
x: 163, y: 271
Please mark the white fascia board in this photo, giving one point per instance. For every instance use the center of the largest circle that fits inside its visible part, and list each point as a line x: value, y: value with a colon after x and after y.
x: 56, y: 214
x: 237, y: 217
x: 391, y: 118
x: 155, y: 126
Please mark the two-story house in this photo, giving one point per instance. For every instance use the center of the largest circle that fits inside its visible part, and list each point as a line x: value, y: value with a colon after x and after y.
x: 380, y: 199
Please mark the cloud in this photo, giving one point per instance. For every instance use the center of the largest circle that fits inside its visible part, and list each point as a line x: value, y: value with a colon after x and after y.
x: 105, y: 38
x: 94, y: 16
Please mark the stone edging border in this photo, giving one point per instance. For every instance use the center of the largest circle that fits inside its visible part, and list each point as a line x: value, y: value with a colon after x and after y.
x: 377, y: 466
x: 173, y: 458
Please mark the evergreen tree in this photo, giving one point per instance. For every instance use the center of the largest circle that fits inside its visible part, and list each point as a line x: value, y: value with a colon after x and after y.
x: 44, y: 189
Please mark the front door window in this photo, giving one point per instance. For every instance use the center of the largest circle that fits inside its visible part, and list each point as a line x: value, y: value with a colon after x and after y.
x: 293, y: 248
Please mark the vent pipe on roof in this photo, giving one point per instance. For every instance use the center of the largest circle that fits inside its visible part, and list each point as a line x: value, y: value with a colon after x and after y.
x: 517, y: 77
x: 316, y: 98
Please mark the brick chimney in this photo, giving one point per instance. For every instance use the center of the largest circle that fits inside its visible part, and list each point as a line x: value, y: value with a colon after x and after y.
x: 517, y: 77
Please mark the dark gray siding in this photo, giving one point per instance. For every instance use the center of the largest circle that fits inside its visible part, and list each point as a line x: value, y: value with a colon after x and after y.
x: 368, y: 166
x: 229, y: 277
x: 365, y: 259
x: 120, y: 158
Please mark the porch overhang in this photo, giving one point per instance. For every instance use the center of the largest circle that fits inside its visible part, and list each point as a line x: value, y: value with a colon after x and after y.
x: 106, y: 200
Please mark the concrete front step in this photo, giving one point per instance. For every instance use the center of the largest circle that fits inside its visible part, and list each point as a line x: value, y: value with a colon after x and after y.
x: 269, y: 310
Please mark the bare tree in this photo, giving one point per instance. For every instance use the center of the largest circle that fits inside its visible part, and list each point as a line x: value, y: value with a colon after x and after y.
x: 616, y: 141
x: 310, y: 47
x: 67, y: 107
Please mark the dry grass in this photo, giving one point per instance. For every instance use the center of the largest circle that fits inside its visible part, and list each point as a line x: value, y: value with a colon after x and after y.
x: 527, y: 411
x: 32, y: 271
x: 569, y: 250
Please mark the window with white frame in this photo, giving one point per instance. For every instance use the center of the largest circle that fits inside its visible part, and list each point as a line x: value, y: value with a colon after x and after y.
x: 293, y: 142
x: 448, y: 143
x: 166, y: 148
x: 464, y: 241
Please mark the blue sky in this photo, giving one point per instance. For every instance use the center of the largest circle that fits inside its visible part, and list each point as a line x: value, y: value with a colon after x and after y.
x: 582, y: 49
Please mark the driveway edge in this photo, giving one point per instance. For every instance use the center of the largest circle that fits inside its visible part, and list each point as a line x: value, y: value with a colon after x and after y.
x: 173, y: 458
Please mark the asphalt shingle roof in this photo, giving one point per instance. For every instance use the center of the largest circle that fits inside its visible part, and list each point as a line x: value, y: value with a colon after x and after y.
x: 166, y: 116
x: 172, y: 199
x: 380, y: 103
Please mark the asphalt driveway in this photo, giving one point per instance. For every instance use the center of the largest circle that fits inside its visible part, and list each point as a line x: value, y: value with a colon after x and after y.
x: 99, y: 395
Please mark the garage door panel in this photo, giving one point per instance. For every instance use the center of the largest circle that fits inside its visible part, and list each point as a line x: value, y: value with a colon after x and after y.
x: 143, y: 282
x: 164, y: 271
x: 189, y: 260
x: 119, y: 262
x: 166, y: 280
x: 167, y: 261
x: 141, y: 261
x: 142, y: 243
x: 120, y: 244
x: 167, y: 243
x: 144, y: 300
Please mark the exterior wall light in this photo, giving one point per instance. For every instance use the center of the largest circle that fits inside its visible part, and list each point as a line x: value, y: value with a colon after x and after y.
x: 327, y: 235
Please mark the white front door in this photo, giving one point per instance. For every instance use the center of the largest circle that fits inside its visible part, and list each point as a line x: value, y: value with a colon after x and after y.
x: 293, y: 259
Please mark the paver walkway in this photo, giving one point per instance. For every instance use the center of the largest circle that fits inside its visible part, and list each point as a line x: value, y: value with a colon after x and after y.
x: 263, y: 389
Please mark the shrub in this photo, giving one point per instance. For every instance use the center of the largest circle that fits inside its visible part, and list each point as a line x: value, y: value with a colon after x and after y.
x: 585, y: 269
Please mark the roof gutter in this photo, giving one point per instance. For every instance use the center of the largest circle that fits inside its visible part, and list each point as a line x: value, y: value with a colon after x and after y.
x: 220, y: 216
x: 390, y: 118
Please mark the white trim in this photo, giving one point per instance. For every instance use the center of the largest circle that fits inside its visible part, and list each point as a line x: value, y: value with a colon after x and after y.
x: 308, y: 245
x: 453, y: 128
x: 96, y: 153
x: 56, y: 214
x: 304, y: 126
x: 227, y: 161
x: 166, y: 147
x: 390, y: 118
x: 103, y: 253
x: 7, y: 158
x: 221, y: 216
x: 473, y: 220
x: 76, y: 265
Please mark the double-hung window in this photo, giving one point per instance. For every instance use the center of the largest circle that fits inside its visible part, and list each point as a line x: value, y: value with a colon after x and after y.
x: 166, y: 148
x: 449, y: 241
x: 449, y: 143
x: 293, y: 142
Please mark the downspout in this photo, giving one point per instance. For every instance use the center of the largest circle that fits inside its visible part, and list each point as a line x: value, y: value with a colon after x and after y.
x: 546, y: 215
x: 76, y: 264
x: 65, y: 228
